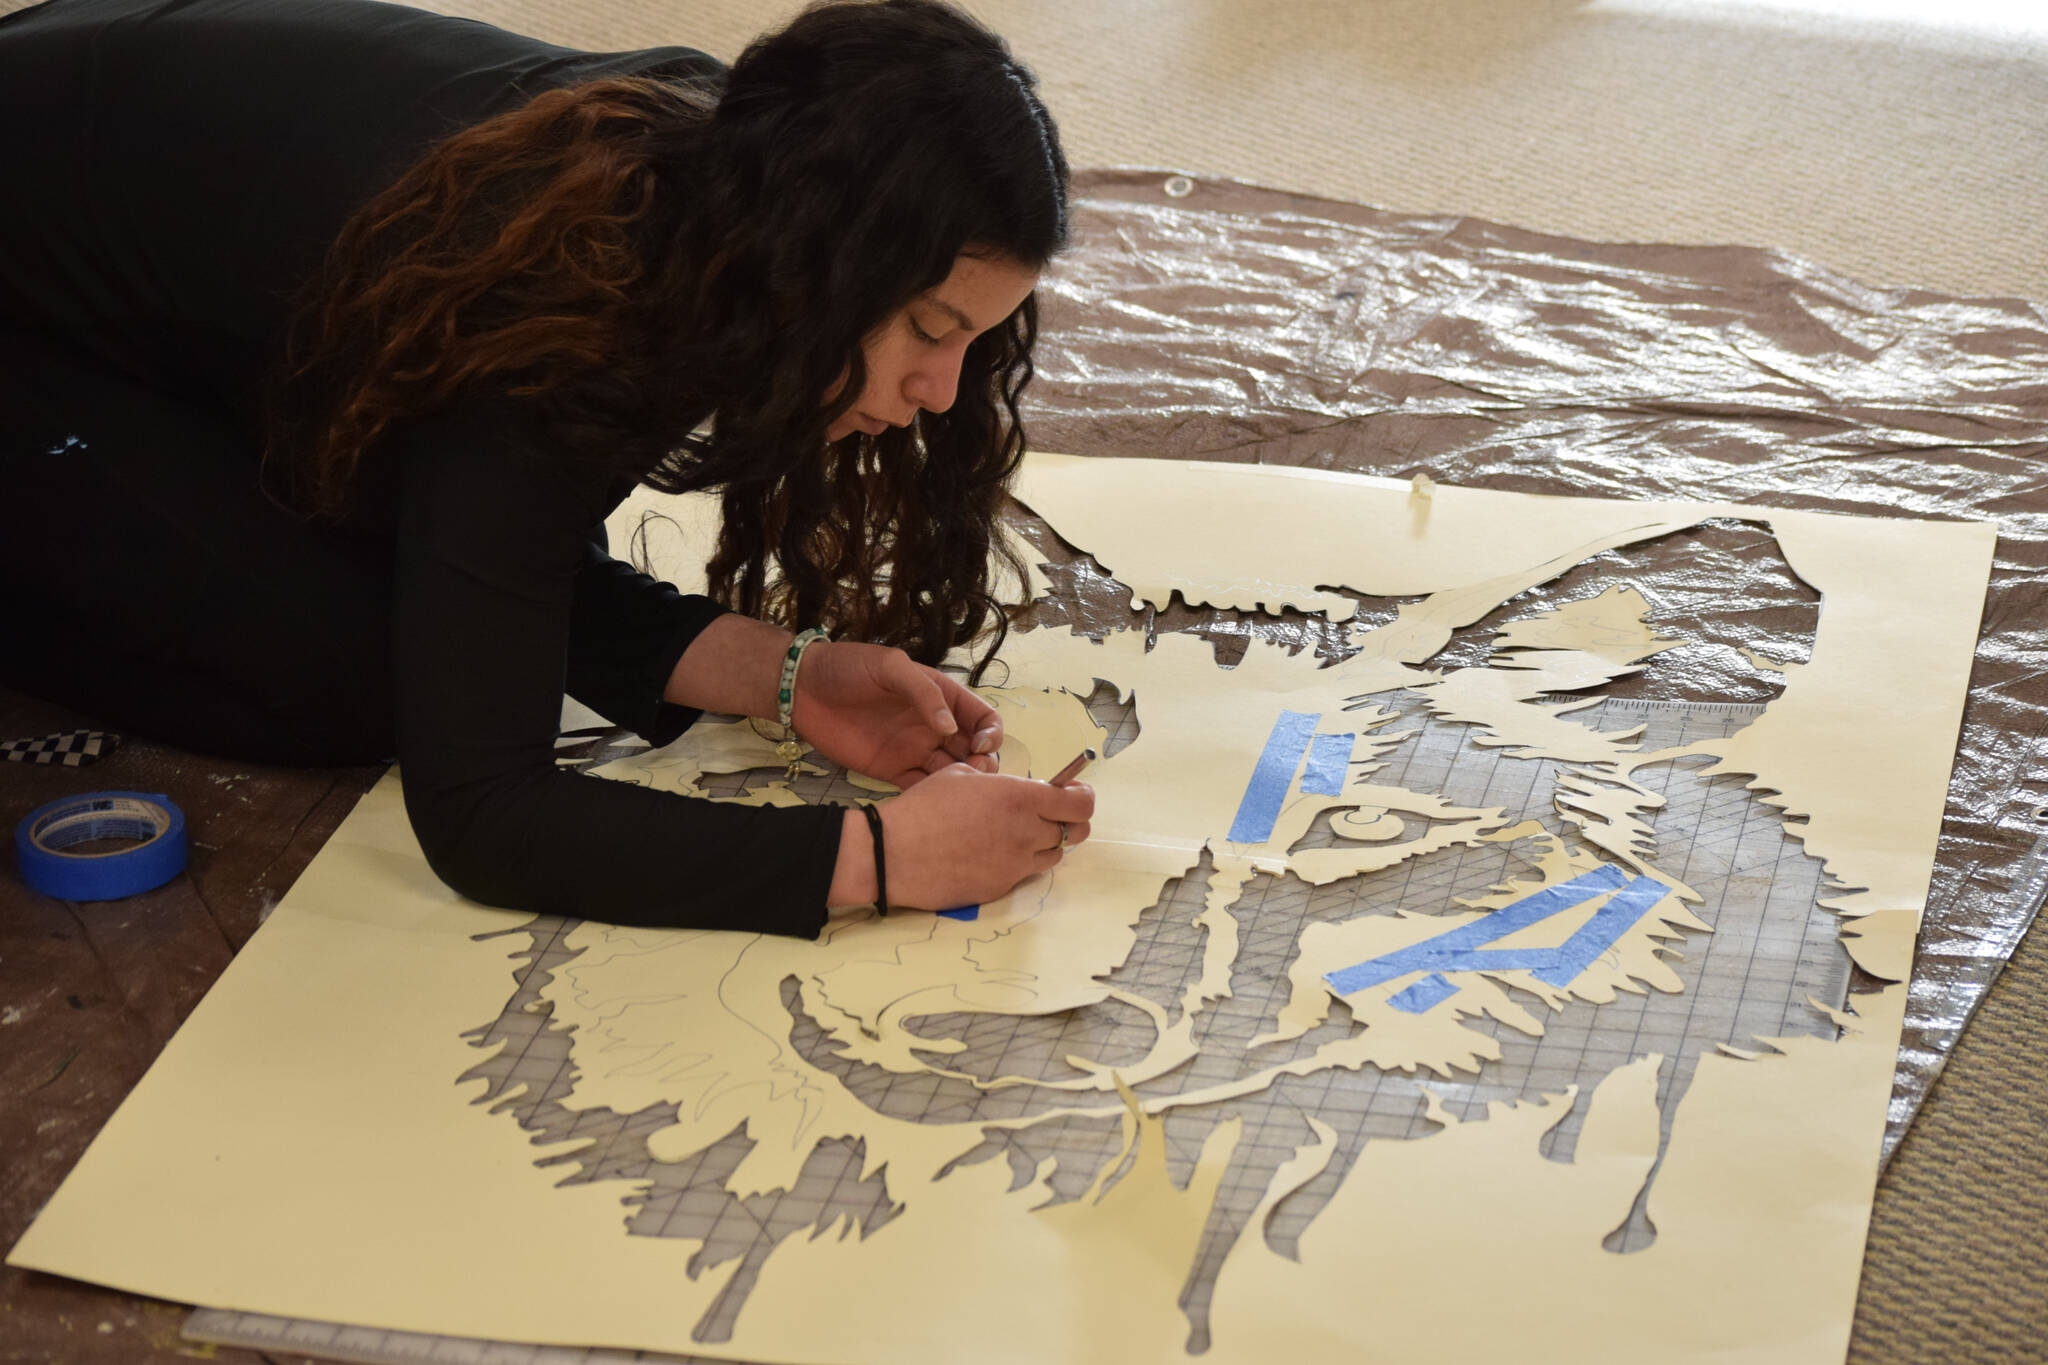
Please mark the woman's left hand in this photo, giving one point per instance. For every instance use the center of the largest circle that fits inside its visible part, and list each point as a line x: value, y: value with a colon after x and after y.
x: 874, y: 710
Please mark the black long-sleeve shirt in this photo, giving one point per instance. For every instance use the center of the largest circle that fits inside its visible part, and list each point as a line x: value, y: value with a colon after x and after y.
x: 171, y: 172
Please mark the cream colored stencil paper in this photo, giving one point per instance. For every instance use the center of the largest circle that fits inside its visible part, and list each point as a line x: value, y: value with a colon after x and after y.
x: 301, y: 1147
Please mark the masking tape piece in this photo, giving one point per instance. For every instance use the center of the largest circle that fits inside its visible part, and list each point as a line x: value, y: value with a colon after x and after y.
x: 1424, y: 995
x: 1329, y: 757
x: 1598, y: 934
x: 1267, y: 791
x: 1457, y: 949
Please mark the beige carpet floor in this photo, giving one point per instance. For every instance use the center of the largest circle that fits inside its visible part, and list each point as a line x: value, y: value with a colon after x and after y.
x: 1904, y: 142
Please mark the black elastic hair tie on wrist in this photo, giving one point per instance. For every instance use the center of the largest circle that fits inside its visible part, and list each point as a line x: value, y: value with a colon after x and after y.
x: 881, y: 863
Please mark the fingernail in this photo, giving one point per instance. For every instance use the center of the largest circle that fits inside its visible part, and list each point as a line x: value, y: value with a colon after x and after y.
x: 985, y: 741
x: 944, y: 720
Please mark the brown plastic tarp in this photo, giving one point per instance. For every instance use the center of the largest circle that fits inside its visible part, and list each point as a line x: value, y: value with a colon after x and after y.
x: 1218, y: 321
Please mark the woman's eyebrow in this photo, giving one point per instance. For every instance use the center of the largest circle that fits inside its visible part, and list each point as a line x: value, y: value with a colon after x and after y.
x: 966, y: 323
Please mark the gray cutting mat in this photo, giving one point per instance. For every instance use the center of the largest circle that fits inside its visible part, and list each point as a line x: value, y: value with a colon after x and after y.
x: 1772, y: 949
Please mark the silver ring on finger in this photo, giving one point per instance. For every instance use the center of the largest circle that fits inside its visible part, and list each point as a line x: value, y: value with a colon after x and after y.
x: 1063, y: 836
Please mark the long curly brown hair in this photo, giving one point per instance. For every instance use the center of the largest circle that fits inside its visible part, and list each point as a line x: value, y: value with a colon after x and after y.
x: 676, y: 273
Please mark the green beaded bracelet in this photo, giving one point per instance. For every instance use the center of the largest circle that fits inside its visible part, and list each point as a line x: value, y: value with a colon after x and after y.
x: 790, y: 751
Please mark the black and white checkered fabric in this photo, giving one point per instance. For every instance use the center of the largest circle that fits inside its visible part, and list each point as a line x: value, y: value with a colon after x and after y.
x: 72, y: 749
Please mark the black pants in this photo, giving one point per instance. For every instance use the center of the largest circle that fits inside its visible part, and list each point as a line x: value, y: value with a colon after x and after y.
x: 150, y: 583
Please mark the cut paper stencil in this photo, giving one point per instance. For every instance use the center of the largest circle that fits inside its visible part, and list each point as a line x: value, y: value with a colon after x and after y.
x: 1394, y: 1009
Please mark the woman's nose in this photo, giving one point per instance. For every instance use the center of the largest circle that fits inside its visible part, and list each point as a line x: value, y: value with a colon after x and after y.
x: 933, y: 387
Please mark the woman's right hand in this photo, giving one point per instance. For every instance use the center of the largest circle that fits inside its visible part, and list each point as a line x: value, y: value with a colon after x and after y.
x: 960, y: 837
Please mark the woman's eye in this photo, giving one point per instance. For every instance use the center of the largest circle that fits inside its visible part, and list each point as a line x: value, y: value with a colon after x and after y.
x: 926, y: 337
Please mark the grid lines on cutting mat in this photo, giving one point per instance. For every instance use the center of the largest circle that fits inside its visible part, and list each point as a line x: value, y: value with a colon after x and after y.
x: 1772, y: 947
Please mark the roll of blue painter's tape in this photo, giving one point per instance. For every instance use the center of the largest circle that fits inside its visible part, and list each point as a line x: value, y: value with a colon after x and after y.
x: 45, y: 839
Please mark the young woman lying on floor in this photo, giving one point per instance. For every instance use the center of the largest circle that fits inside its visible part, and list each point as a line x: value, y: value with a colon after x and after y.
x: 331, y: 331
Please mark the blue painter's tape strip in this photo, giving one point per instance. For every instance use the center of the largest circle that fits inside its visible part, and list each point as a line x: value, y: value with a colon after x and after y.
x: 1456, y: 950
x: 1329, y: 759
x: 1533, y: 908
x: 1424, y: 995
x: 1599, y: 933
x: 1486, y: 959
x: 45, y: 836
x: 966, y: 912
x: 1267, y: 791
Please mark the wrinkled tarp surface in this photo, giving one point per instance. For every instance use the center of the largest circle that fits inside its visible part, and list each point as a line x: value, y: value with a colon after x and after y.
x: 1219, y: 321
